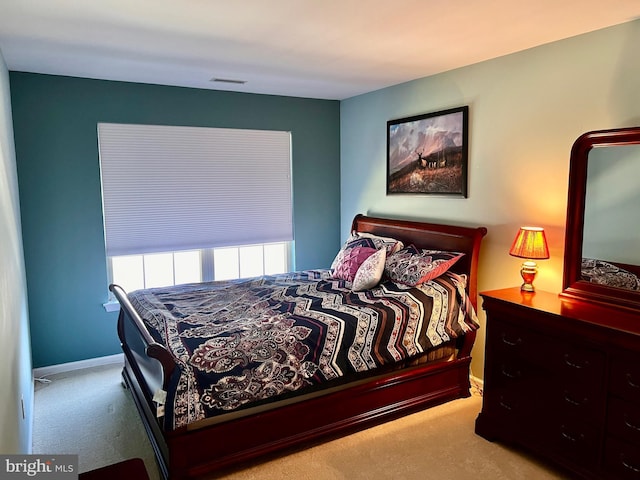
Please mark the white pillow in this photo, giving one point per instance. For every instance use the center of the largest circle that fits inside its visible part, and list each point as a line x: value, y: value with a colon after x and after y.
x: 370, y: 272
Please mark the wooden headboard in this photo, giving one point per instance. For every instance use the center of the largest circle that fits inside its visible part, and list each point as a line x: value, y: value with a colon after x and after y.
x: 432, y: 236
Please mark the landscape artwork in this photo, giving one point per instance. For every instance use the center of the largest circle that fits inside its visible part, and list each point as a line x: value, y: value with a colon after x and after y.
x: 427, y: 154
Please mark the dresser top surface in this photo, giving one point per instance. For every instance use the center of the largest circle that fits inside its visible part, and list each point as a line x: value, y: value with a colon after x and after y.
x: 551, y: 303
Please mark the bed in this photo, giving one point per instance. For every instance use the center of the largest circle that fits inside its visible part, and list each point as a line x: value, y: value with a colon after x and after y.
x: 610, y: 274
x: 310, y: 392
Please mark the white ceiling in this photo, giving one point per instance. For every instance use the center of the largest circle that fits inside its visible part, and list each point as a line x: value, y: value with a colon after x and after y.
x: 331, y: 49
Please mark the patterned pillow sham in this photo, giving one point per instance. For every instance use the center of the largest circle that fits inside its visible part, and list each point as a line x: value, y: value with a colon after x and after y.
x: 351, y: 261
x: 370, y: 272
x: 352, y: 242
x: 413, y: 266
x: 370, y: 240
x: 392, y: 245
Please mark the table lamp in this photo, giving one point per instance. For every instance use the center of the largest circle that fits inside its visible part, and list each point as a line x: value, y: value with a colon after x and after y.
x: 530, y: 243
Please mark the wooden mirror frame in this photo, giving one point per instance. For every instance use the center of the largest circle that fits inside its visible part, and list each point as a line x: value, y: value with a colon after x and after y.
x: 573, y: 286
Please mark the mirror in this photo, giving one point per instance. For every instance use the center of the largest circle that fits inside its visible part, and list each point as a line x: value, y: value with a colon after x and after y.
x: 602, y: 258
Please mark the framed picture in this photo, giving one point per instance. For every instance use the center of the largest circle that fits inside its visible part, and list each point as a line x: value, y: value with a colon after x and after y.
x: 427, y: 154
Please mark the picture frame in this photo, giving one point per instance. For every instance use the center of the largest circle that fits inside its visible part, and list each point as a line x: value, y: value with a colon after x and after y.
x: 428, y: 154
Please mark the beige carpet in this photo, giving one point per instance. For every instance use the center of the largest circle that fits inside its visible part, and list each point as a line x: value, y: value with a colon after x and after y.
x: 88, y: 412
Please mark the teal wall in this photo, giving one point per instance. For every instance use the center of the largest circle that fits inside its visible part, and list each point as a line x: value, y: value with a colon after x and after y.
x: 59, y: 180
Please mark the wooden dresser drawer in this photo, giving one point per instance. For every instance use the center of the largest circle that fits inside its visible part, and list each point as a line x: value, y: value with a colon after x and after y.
x: 623, y: 420
x: 517, y: 376
x: 509, y: 340
x: 542, y: 376
x: 622, y: 460
x: 576, y: 364
x: 575, y: 440
x: 508, y: 402
x: 584, y: 401
x: 576, y: 380
x: 625, y: 378
x: 565, y: 359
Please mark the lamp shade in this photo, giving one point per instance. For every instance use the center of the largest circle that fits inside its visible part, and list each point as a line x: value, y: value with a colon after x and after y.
x: 530, y: 242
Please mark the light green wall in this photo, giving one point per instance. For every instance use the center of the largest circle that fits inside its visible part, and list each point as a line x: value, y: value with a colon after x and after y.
x: 15, y: 359
x: 525, y: 112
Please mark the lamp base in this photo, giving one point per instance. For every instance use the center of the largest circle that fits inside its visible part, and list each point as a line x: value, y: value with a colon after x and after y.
x: 528, y: 272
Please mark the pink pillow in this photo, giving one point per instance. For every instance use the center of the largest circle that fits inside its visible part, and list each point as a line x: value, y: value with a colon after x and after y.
x: 350, y: 262
x: 353, y: 241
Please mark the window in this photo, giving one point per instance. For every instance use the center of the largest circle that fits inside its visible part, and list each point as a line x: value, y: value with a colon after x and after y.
x: 194, y: 203
x: 133, y: 272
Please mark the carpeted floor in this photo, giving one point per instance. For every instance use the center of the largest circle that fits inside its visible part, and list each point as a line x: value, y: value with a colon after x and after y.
x: 88, y: 412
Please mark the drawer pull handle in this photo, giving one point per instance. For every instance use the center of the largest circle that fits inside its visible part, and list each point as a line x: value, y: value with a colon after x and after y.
x: 572, y: 401
x: 570, y: 437
x: 628, y: 466
x: 577, y: 366
x: 511, y: 343
x: 506, y: 406
x: 508, y: 374
x: 629, y: 424
x: 630, y: 381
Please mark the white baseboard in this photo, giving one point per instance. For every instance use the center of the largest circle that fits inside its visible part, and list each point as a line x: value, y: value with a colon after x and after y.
x: 71, y: 366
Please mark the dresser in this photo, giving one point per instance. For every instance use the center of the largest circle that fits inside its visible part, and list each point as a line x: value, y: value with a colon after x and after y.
x: 562, y: 381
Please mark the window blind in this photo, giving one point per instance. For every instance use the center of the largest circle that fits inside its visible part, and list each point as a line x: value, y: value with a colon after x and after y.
x: 168, y: 188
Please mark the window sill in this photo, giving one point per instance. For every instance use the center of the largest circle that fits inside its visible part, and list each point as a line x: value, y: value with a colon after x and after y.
x: 112, y: 306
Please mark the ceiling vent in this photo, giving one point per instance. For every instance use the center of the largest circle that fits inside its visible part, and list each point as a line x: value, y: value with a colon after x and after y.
x: 228, y: 80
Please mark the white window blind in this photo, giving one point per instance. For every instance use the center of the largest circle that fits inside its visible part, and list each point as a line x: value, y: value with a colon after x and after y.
x: 168, y: 188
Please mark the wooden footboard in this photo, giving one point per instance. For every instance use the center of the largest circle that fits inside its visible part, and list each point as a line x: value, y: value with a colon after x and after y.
x: 148, y: 368
x: 192, y: 452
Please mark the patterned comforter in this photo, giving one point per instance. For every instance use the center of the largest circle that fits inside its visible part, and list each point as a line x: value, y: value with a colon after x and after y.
x: 605, y: 273
x: 242, y: 342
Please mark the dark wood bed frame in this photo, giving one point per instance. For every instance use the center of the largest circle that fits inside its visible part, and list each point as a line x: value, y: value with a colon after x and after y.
x: 190, y: 453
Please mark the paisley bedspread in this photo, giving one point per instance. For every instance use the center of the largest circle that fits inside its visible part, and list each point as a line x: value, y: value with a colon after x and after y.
x: 609, y: 274
x: 242, y: 342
